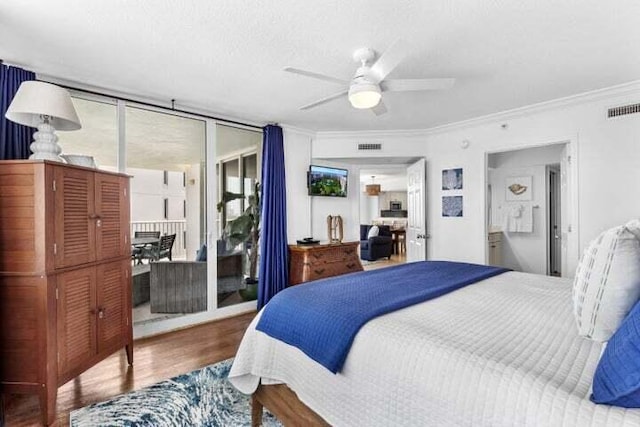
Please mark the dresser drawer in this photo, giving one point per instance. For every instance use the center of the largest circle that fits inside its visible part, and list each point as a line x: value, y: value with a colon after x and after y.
x: 331, y: 269
x: 329, y: 255
x: 321, y: 261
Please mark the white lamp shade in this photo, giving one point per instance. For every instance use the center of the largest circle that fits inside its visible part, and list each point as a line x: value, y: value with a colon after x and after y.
x: 35, y: 99
x: 364, y: 95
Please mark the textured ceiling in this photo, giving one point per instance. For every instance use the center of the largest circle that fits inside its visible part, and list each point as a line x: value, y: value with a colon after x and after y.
x: 226, y: 56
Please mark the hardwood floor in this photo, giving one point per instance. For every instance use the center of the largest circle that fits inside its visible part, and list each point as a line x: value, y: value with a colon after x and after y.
x: 155, y: 359
x: 383, y: 262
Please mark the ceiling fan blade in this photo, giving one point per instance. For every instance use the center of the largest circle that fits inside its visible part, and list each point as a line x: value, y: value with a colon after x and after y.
x: 316, y: 75
x: 379, y: 109
x: 325, y: 100
x: 403, y: 85
x: 390, y: 59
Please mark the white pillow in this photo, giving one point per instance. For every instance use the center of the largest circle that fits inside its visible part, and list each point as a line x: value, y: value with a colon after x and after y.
x: 607, y: 282
x: 373, y: 232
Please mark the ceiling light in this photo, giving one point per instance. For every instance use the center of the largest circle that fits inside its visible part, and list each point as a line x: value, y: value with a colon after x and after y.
x: 364, y: 95
x: 372, y: 189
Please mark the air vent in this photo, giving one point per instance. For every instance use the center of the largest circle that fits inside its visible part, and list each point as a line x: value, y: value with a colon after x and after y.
x: 369, y: 146
x: 623, y: 111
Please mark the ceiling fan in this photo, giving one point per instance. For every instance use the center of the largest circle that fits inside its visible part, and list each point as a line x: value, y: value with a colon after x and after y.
x: 365, y: 89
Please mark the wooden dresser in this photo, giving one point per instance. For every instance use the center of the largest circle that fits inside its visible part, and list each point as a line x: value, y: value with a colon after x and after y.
x: 313, y: 262
x: 65, y: 274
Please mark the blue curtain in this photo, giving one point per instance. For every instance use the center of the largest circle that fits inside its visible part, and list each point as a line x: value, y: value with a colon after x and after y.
x: 14, y: 138
x: 274, y: 251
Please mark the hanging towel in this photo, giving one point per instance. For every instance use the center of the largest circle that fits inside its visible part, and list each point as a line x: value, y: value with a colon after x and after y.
x: 513, y: 216
x: 526, y: 219
x: 518, y: 218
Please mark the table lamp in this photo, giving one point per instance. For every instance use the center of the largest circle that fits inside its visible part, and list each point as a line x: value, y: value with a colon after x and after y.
x: 47, y: 107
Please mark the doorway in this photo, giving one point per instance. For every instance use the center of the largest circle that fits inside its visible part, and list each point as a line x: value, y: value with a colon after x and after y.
x: 383, y: 203
x: 527, y: 211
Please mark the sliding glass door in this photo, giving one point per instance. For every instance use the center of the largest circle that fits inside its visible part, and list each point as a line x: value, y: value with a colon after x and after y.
x: 185, y: 269
x: 166, y: 158
x: 237, y: 167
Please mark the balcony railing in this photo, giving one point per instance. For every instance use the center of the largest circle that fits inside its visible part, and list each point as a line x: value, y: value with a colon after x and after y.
x: 178, y: 227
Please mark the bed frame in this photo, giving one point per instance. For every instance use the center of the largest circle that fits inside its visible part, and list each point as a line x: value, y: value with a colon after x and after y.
x: 282, y: 402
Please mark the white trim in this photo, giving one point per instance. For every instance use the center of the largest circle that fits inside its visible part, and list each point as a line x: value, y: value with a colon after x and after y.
x: 624, y: 89
x: 574, y: 214
x: 299, y: 130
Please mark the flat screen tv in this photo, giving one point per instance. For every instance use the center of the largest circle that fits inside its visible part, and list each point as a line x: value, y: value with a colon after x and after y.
x: 326, y: 181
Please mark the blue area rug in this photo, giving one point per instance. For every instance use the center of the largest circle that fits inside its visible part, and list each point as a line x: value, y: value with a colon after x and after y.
x: 200, y: 398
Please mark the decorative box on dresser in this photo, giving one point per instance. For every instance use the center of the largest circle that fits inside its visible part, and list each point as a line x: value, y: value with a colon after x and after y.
x: 65, y: 274
x: 318, y: 261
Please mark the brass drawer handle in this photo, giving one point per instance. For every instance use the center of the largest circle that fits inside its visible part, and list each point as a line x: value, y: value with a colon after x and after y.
x: 319, y: 271
x: 350, y: 266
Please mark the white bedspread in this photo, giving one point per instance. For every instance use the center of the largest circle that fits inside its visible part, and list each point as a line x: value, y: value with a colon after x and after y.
x: 502, y: 352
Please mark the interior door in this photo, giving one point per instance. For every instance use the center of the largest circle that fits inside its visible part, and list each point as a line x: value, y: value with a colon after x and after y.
x: 416, y: 211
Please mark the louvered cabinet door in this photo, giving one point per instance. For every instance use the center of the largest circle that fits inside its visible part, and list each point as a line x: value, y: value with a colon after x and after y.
x: 111, y: 231
x: 113, y: 304
x: 74, y: 217
x: 76, y: 318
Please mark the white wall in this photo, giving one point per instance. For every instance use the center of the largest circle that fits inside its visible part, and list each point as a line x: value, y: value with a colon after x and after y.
x: 605, y: 152
x: 297, y: 157
x: 347, y: 207
x: 526, y: 252
x: 369, y: 206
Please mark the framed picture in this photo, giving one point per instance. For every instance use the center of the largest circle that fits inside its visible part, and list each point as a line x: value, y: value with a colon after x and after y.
x: 452, y: 179
x: 518, y: 188
x: 452, y: 206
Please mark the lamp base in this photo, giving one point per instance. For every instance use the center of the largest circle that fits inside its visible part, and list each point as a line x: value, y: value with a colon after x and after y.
x: 45, y: 144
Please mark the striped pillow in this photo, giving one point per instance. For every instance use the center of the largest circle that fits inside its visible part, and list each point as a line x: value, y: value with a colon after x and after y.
x: 607, y: 282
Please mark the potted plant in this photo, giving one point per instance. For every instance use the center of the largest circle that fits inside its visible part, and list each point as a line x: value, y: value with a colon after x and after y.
x: 245, y: 229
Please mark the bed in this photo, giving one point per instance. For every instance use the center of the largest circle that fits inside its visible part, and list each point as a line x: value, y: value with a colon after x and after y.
x: 503, y: 351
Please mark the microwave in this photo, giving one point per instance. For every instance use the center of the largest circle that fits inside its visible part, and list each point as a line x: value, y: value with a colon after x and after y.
x: 395, y: 206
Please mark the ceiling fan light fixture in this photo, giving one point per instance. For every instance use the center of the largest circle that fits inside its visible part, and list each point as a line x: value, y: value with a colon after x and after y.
x: 364, y: 95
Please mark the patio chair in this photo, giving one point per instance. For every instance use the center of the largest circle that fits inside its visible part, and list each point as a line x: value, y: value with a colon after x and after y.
x: 166, y: 246
x: 137, y: 252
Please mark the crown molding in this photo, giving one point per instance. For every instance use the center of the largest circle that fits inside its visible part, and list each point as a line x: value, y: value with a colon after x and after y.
x: 306, y: 132
x: 624, y: 89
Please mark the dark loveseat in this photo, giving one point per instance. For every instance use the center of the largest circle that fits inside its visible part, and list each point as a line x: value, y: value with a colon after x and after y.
x: 376, y: 247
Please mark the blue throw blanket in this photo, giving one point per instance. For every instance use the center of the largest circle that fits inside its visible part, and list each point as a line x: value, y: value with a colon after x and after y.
x: 322, y: 318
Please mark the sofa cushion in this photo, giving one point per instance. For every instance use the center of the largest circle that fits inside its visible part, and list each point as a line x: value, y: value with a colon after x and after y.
x: 373, y: 232
x: 201, y: 255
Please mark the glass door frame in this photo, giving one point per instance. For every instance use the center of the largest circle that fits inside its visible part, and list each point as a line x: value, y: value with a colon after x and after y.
x: 212, y: 184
